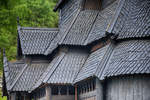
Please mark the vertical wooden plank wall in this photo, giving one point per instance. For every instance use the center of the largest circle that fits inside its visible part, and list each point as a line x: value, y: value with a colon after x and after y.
x: 128, y: 88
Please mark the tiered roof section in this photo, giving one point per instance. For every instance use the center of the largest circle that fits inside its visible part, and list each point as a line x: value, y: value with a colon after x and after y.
x: 129, y: 57
x: 36, y: 40
x: 125, y: 19
x: 132, y: 19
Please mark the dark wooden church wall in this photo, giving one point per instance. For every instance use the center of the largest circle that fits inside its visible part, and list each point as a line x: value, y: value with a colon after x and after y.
x: 128, y: 88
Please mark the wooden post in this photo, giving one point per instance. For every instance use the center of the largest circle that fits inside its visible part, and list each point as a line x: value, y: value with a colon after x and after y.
x: 99, y: 90
x: 76, y: 92
x: 13, y: 96
x: 48, y: 93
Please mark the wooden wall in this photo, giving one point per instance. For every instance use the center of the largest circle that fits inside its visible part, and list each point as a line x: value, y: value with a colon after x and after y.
x: 128, y: 88
x: 63, y: 97
x: 94, y: 94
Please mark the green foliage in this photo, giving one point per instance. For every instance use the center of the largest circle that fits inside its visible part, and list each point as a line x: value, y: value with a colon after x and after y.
x: 32, y: 13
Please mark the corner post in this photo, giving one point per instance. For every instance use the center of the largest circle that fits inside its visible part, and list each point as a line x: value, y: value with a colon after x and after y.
x: 99, y: 90
x: 76, y: 92
x: 48, y: 93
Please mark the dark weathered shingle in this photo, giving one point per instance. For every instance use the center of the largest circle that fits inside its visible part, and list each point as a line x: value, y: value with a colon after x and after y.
x: 50, y: 69
x: 80, y: 29
x: 63, y: 28
x: 129, y: 57
x: 29, y: 76
x: 36, y: 40
x: 68, y: 67
x: 92, y: 64
x: 84, y: 26
x: 11, y: 71
x: 133, y: 19
x: 102, y: 22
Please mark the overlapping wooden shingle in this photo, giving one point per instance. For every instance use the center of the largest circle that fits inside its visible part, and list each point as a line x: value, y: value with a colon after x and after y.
x: 29, y: 76
x: 35, y: 40
x: 92, y: 64
x: 129, y: 57
x: 50, y: 69
x: 133, y: 19
x: 80, y: 29
x: 11, y: 71
x: 67, y: 68
x: 102, y: 22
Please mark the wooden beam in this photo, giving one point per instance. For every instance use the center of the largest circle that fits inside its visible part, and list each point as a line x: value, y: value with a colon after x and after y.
x: 76, y: 92
x: 48, y: 93
x: 99, y: 90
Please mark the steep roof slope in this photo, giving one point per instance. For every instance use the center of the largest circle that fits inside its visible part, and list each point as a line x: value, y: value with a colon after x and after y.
x: 129, y: 57
x: 11, y: 71
x: 63, y: 68
x: 27, y: 78
x: 92, y: 64
x: 132, y: 19
x: 84, y: 27
x: 68, y: 67
x: 90, y: 25
x: 35, y: 40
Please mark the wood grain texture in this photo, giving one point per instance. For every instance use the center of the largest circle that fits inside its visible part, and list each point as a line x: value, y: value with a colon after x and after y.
x: 135, y: 87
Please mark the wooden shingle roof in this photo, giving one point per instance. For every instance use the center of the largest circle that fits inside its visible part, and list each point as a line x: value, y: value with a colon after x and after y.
x: 35, y: 40
x: 64, y: 68
x: 68, y: 67
x: 132, y: 19
x: 28, y: 77
x: 11, y: 71
x: 84, y: 27
x: 129, y: 57
x: 92, y: 64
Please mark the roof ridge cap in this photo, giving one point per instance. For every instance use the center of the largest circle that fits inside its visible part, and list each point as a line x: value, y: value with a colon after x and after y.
x: 106, y: 59
x: 67, y: 31
x: 74, y: 80
x: 116, y: 15
x: 85, y: 41
x: 20, y: 74
x: 39, y: 28
x: 55, y: 67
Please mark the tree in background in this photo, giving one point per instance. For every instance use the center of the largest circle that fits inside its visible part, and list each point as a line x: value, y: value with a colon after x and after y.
x: 32, y: 13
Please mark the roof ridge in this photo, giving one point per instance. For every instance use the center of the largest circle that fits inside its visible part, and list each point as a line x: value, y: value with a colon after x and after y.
x: 39, y: 28
x: 16, y: 79
x: 80, y: 69
x: 116, y: 15
x: 106, y: 59
x: 50, y: 42
x: 55, y: 67
x: 85, y: 41
x: 67, y: 31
